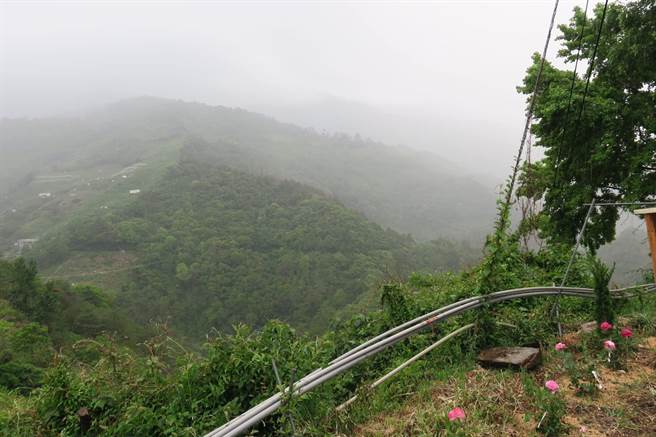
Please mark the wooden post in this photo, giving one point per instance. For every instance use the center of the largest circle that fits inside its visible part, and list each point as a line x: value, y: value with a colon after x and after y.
x: 650, y: 221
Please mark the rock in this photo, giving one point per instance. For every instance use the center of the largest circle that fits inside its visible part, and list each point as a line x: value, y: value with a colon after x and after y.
x: 588, y: 327
x: 521, y: 357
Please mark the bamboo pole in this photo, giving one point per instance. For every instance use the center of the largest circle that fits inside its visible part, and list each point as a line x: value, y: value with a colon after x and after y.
x: 407, y: 363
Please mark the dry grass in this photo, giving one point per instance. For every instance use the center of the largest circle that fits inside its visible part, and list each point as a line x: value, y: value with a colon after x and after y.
x: 497, y: 404
x: 626, y: 406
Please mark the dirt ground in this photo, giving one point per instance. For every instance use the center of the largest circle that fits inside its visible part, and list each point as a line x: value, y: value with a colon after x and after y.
x: 498, y: 405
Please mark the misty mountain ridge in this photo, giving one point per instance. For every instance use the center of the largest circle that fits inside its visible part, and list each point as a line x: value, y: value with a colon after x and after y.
x: 422, y: 129
x: 411, y: 192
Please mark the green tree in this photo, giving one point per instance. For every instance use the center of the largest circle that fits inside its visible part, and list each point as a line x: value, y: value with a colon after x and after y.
x: 604, y: 146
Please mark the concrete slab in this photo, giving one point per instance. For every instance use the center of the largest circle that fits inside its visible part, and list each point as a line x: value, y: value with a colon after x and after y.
x: 518, y: 357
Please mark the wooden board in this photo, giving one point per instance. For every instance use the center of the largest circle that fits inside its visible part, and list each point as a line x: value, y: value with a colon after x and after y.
x: 650, y: 221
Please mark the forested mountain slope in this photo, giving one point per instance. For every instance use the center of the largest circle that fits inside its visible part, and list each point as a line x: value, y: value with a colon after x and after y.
x: 411, y: 192
x: 38, y: 318
x: 214, y: 246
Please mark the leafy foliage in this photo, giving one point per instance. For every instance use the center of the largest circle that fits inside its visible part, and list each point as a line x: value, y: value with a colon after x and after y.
x: 217, y: 247
x: 101, y: 386
x: 37, y: 318
x: 606, y: 150
x: 552, y: 404
x: 601, y: 275
x: 408, y: 191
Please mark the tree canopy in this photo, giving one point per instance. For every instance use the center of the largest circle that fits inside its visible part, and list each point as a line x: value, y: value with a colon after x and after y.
x: 214, y: 246
x: 600, y: 144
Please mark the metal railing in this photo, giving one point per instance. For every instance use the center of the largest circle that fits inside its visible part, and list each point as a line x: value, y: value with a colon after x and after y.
x: 243, y: 422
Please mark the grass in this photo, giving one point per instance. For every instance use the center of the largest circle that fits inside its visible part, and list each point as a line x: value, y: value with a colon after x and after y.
x: 504, y: 402
x: 105, y: 269
x: 91, y: 189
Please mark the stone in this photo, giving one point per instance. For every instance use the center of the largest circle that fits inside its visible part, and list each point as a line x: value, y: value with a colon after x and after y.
x: 519, y: 357
x: 588, y: 327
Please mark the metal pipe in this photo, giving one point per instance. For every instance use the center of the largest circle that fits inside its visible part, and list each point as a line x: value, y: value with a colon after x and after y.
x: 251, y: 416
x: 319, y: 373
x: 421, y: 354
x: 274, y: 400
x: 275, y: 397
x: 337, y: 368
x: 255, y: 414
x: 408, y: 362
x: 431, y: 314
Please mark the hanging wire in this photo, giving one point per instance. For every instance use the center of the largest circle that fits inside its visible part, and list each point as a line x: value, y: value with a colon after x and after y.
x: 591, y: 67
x: 529, y: 117
x: 571, y: 93
x: 622, y: 204
x: 556, y: 307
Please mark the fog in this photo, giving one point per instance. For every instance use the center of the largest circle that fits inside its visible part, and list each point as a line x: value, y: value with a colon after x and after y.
x: 439, y: 76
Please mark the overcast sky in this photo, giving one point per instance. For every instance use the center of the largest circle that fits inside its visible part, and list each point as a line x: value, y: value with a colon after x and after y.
x: 458, y: 60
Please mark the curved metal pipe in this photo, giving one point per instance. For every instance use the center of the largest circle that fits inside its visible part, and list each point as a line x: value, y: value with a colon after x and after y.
x: 273, y: 399
x: 439, y: 310
x: 252, y: 416
x: 434, y: 313
x: 242, y: 422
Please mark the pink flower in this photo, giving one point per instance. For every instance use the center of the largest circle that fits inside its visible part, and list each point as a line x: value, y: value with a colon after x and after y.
x: 560, y: 346
x: 626, y: 332
x: 605, y: 326
x: 552, y: 386
x: 609, y: 345
x: 583, y: 429
x: 456, y: 414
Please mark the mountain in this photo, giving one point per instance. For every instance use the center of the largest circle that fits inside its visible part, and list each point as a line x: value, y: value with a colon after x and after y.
x: 208, y: 216
x: 411, y: 192
x: 212, y: 246
x: 420, y: 128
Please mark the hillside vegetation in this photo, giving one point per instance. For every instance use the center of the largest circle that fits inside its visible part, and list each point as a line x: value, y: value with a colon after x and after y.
x: 235, y: 217
x: 411, y: 192
x: 214, y: 246
x: 102, y: 387
x: 38, y: 318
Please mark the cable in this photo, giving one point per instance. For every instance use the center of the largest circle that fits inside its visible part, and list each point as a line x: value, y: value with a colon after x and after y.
x: 571, y: 92
x: 527, y: 125
x: 591, y: 67
x: 622, y: 204
x: 556, y: 307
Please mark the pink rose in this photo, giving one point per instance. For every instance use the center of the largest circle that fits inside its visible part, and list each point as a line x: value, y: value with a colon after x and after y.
x: 552, y: 386
x: 626, y: 332
x: 456, y: 414
x: 560, y: 346
x: 609, y: 345
x: 605, y: 326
